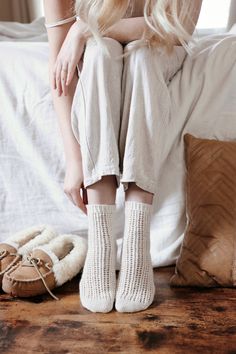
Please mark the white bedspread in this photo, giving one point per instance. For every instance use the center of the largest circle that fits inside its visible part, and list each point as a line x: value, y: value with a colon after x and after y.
x: 203, y: 102
x: 27, y: 32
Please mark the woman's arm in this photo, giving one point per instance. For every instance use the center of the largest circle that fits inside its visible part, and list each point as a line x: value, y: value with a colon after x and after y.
x: 130, y: 29
x: 54, y: 11
x: 127, y: 29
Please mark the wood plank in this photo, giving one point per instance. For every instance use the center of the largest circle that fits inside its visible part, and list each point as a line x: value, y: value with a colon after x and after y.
x: 181, y: 320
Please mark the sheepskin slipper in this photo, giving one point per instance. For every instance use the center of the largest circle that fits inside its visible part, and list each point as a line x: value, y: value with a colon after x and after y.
x: 47, y: 267
x: 21, y: 243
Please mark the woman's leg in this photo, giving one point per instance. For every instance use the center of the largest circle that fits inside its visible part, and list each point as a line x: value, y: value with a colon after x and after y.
x: 96, y: 112
x: 96, y: 126
x: 145, y: 116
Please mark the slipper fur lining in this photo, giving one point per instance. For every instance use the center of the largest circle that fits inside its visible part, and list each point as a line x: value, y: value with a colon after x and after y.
x: 45, y: 234
x: 66, y: 268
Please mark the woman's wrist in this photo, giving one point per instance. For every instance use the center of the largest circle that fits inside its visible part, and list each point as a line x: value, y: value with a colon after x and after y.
x: 81, y: 30
x: 71, y: 145
x: 73, y: 156
x: 73, y: 160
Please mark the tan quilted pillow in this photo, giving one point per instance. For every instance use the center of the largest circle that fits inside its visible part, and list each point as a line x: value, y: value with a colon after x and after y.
x: 208, y: 252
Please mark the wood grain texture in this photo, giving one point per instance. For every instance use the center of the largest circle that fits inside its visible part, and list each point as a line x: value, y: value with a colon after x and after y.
x: 181, y: 320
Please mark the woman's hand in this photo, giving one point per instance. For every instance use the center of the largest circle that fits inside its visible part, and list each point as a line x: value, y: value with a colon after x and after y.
x: 69, y: 56
x: 74, y: 183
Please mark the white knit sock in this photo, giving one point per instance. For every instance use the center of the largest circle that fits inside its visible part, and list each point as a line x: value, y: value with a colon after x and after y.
x: 98, y: 282
x: 136, y: 288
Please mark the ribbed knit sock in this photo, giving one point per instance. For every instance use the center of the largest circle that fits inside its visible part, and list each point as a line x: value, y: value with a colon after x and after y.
x: 136, y: 288
x: 98, y: 282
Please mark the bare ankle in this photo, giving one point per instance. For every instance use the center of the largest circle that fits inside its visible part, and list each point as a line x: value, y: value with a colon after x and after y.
x: 103, y: 191
x: 138, y: 194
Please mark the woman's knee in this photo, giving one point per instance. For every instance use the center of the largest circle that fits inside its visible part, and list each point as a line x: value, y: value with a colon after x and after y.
x: 154, y: 59
x: 112, y: 43
x: 137, y: 55
x: 95, y: 49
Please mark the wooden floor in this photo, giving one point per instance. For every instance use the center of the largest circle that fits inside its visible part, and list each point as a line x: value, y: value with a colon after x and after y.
x: 179, y: 321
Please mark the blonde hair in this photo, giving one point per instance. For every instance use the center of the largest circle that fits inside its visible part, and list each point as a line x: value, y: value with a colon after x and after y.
x: 165, y: 20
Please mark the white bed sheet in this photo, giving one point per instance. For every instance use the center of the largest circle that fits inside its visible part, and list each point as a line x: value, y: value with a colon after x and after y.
x: 35, y: 31
x: 202, y: 99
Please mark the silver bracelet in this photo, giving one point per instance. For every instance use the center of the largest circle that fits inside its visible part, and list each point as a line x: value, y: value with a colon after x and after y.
x: 61, y: 22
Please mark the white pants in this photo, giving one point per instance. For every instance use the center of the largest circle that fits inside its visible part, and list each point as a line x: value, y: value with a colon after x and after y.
x: 120, y: 110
